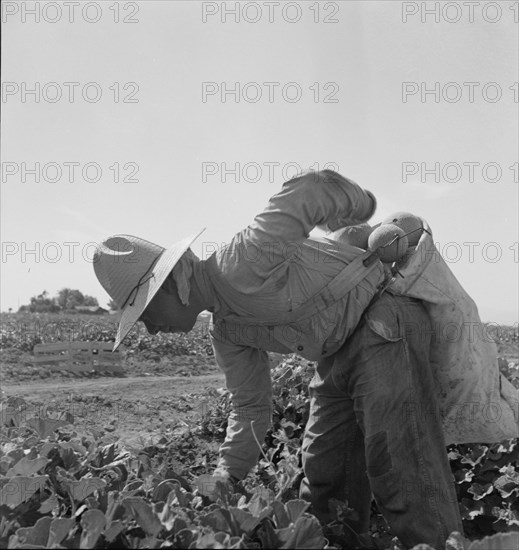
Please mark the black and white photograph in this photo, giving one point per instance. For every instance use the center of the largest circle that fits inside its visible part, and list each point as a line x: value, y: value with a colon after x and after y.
x: 259, y: 274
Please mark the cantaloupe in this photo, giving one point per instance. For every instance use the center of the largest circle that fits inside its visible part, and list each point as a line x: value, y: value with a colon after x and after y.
x: 409, y: 223
x: 356, y: 235
x: 389, y: 241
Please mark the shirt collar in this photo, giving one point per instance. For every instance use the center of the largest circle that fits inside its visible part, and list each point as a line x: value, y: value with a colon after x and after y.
x: 201, y: 275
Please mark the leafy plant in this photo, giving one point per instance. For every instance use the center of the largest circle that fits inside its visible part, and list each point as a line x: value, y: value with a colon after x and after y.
x: 60, y: 487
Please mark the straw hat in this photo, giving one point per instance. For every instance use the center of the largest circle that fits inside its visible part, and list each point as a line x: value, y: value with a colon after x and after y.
x: 132, y: 270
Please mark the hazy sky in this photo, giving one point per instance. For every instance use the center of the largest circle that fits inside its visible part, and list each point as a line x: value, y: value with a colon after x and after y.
x: 140, y: 111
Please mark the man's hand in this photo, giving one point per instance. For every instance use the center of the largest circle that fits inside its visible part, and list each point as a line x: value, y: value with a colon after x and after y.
x: 348, y: 220
x: 211, y: 485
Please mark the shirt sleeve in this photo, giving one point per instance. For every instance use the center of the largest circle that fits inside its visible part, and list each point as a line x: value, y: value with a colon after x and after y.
x: 247, y: 377
x: 314, y: 198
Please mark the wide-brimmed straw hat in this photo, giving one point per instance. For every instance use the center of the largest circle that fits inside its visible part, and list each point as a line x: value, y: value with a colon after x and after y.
x: 132, y: 270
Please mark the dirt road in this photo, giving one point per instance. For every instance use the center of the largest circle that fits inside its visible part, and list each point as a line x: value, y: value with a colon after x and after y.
x: 133, y: 409
x: 173, y: 384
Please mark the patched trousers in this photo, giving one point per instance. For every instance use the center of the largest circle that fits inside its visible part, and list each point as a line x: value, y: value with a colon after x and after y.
x: 374, y: 429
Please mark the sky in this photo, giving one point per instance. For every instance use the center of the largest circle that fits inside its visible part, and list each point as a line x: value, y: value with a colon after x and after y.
x: 158, y: 118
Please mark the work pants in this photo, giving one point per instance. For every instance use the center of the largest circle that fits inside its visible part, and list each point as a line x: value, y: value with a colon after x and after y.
x: 375, y: 431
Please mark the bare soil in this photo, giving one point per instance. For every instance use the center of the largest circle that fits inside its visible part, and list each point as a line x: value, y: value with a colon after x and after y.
x: 139, y: 411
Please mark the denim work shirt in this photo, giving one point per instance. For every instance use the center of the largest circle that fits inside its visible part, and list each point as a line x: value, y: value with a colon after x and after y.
x: 262, y: 277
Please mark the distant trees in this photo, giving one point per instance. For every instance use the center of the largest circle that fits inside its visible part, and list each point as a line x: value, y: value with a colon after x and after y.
x: 70, y: 298
x: 113, y: 305
x: 67, y: 299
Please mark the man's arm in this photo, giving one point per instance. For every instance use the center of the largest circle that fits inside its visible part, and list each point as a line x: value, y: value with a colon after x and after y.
x: 309, y: 200
x: 274, y: 236
x: 247, y: 376
x: 304, y: 202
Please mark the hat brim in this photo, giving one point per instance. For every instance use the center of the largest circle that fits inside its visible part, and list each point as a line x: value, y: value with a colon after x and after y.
x: 145, y: 293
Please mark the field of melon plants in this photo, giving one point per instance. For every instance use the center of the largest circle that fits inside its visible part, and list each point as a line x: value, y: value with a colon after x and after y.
x: 94, y: 461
